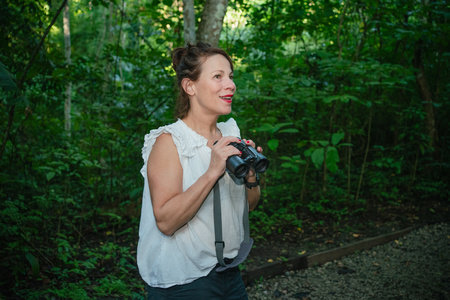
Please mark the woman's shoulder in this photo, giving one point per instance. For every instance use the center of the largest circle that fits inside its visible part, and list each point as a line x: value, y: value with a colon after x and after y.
x: 229, y: 128
x: 183, y: 139
x: 169, y: 134
x: 173, y: 129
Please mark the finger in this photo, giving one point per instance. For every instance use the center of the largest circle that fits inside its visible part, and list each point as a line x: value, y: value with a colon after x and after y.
x: 224, y: 141
x: 250, y: 143
x: 231, y: 150
x: 259, y: 149
x: 225, y: 150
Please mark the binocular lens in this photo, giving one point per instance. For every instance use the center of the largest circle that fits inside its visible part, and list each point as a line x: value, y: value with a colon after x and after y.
x: 241, y: 171
x: 237, y: 166
x: 261, y: 165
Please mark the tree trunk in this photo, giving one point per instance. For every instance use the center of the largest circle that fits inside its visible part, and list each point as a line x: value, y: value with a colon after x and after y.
x: 68, y: 101
x: 341, y: 24
x: 302, y: 193
x: 189, y: 21
x: 109, y: 39
x: 348, y: 134
x: 212, y: 20
x: 366, y: 152
x: 101, y: 39
x: 426, y: 95
x: 361, y: 42
x: 325, y: 150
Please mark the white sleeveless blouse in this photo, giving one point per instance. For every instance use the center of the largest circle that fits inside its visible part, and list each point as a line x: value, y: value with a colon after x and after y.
x: 188, y: 254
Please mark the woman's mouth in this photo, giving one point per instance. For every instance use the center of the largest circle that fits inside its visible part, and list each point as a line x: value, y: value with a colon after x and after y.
x: 227, y: 98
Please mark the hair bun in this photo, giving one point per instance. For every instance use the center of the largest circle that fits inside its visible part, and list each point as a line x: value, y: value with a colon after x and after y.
x: 189, y: 50
x: 177, y: 56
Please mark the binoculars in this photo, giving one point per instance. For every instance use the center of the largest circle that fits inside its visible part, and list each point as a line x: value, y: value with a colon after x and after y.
x: 240, y: 165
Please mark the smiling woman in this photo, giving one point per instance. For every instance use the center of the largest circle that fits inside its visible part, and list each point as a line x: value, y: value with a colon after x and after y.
x: 212, y: 93
x: 183, y: 161
x: 187, y: 63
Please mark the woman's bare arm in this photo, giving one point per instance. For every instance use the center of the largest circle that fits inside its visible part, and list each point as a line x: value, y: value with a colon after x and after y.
x: 171, y: 206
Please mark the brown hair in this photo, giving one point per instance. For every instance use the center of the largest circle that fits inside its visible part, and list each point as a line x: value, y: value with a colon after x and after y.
x: 186, y: 62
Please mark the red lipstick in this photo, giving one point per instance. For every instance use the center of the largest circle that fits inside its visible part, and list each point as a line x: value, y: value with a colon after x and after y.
x: 227, y: 98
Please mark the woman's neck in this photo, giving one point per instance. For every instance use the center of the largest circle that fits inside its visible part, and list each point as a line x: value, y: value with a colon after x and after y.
x: 203, y: 125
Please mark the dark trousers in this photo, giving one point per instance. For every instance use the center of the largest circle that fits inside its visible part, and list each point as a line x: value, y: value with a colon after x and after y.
x: 223, y: 285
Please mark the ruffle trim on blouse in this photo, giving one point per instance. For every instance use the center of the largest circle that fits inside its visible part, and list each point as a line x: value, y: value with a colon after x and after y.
x: 229, y: 128
x: 186, y: 139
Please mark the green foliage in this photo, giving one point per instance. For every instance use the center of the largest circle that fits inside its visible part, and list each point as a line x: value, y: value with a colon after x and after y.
x: 312, y: 78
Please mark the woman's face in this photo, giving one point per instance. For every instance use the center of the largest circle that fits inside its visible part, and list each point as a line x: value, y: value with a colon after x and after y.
x: 214, y: 89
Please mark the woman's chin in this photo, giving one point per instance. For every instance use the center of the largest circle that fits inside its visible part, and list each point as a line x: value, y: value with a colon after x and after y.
x: 226, y: 111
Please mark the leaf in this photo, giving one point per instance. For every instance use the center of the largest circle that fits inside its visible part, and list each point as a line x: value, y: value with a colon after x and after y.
x: 273, y: 144
x: 266, y: 127
x: 346, y: 144
x: 341, y: 98
x: 337, y: 137
x: 317, y: 157
x: 135, y: 192
x: 34, y: 262
x: 111, y: 215
x: 288, y: 165
x: 280, y: 125
x: 50, y: 175
x: 308, y: 152
x: 88, y: 264
x: 302, y: 143
x: 332, y: 159
x: 323, y: 143
x: 289, y: 130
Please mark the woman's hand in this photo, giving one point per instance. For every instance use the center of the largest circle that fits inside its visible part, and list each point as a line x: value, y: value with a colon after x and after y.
x: 251, y: 176
x: 220, y: 151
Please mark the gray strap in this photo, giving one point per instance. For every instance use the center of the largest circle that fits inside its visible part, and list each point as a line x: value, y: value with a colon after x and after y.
x: 220, y: 244
x: 246, y: 244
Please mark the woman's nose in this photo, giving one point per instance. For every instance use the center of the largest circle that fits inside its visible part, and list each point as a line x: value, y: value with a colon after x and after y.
x: 230, y: 85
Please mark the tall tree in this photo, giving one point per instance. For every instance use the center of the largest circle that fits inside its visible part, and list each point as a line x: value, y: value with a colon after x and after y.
x: 67, y: 50
x: 212, y: 20
x: 425, y: 92
x: 210, y: 25
x: 189, y: 21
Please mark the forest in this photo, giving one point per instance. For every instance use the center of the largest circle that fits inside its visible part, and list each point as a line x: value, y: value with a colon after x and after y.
x: 350, y: 100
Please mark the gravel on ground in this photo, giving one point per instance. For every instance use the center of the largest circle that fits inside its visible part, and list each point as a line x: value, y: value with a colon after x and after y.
x: 416, y: 266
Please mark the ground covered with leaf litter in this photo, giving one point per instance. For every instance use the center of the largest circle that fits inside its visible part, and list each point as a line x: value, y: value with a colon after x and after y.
x: 317, y: 234
x: 415, y: 266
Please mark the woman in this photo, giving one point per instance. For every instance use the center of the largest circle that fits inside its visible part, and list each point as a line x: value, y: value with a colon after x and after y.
x: 182, y: 163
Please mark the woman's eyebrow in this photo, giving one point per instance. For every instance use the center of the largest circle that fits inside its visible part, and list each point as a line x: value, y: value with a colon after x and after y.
x: 221, y: 71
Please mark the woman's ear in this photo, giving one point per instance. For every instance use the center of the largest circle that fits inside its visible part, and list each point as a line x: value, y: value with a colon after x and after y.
x: 188, y: 86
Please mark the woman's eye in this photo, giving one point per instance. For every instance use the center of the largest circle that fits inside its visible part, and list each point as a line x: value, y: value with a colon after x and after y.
x: 217, y: 76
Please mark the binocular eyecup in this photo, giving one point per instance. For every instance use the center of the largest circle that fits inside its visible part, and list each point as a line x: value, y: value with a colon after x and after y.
x: 239, y: 166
